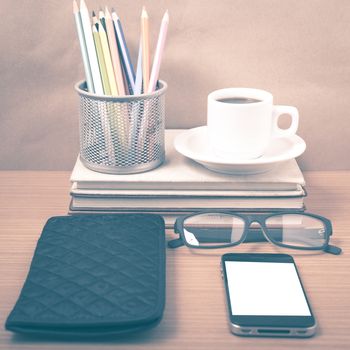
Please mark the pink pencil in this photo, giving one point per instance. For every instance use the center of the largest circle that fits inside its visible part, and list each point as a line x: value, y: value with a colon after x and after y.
x: 159, y: 53
x: 145, y: 48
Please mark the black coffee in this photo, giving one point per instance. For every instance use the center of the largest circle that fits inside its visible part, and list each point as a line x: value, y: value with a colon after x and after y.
x: 238, y: 100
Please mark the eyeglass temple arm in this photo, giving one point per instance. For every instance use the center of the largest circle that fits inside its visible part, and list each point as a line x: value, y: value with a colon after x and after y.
x: 333, y: 249
x: 177, y: 242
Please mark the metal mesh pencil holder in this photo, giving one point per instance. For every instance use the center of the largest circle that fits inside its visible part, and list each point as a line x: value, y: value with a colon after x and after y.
x: 122, y: 135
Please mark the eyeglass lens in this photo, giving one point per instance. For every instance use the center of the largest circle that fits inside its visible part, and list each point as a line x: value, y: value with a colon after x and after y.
x: 297, y: 230
x: 214, y: 229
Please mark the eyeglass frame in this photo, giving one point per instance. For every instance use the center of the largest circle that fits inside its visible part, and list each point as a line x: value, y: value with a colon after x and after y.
x: 248, y: 220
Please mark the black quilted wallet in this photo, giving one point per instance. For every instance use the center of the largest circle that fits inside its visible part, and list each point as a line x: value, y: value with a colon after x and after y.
x: 94, y: 275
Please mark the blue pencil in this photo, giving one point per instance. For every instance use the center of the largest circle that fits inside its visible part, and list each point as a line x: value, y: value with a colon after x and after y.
x: 125, y: 55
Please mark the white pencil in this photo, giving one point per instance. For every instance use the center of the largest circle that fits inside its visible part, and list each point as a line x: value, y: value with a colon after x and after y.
x: 86, y: 63
x: 94, y: 18
x: 90, y: 46
x: 159, y: 53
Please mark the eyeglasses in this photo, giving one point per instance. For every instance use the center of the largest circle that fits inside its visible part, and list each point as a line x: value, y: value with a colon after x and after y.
x: 220, y: 229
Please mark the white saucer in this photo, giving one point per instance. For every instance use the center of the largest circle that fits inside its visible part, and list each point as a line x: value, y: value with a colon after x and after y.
x: 193, y: 143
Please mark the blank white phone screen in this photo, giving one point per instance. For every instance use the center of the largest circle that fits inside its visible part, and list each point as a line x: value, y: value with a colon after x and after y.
x: 265, y: 288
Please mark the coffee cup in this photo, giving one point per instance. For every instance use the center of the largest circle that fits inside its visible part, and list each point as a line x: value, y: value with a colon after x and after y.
x: 243, y: 121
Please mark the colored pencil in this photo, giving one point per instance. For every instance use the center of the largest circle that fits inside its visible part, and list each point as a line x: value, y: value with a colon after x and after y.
x: 112, y: 40
x: 138, y: 79
x: 101, y: 60
x: 90, y: 47
x: 108, y: 60
x: 125, y: 55
x: 83, y: 49
x: 145, y: 49
x: 102, y: 18
x: 94, y: 18
x: 159, y: 53
x: 106, y: 57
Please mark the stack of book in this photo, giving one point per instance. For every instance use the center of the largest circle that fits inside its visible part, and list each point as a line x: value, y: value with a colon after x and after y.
x: 181, y: 186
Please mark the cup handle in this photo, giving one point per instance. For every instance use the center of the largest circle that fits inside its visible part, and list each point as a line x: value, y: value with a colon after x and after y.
x: 276, y: 113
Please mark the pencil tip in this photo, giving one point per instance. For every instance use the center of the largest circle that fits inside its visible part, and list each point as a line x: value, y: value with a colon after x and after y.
x: 75, y: 6
x: 114, y: 13
x: 144, y: 12
x: 93, y: 14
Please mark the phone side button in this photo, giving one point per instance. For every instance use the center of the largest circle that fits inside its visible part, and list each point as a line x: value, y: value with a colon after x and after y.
x: 246, y: 331
x: 238, y: 330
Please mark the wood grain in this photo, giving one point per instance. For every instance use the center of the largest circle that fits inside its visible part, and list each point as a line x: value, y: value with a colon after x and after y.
x: 195, y: 315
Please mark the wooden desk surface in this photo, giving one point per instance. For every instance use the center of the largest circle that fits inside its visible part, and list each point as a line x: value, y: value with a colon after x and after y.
x: 195, y: 315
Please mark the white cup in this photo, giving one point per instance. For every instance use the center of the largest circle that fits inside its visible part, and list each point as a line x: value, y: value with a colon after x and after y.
x: 244, y: 129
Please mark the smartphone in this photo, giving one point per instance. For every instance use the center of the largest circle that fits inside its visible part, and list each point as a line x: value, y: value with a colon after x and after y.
x: 265, y: 296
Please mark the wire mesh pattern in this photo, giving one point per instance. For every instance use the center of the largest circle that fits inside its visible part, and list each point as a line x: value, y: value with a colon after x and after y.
x: 122, y: 134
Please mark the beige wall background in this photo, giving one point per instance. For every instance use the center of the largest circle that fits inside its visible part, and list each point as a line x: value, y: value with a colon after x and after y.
x: 298, y: 50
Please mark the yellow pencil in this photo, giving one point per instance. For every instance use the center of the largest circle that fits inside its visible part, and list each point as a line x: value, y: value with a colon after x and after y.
x: 108, y: 60
x: 145, y: 49
x: 113, y: 48
x: 101, y: 60
x: 102, y: 19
